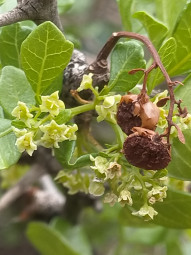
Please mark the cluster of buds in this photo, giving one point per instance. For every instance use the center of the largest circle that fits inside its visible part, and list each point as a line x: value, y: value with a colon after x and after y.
x: 37, y: 125
x: 144, y: 148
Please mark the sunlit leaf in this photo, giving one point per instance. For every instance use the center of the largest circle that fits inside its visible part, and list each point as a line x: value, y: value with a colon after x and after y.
x: 169, y: 12
x: 155, y: 29
x: 167, y: 55
x: 125, y: 57
x: 44, y: 54
x: 182, y: 35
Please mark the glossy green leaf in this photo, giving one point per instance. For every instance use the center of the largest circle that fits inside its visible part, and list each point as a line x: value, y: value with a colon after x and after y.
x: 182, y: 35
x: 9, y: 153
x: 184, y: 92
x: 125, y: 57
x: 64, y: 156
x: 169, y: 12
x: 125, y: 10
x: 180, y: 166
x: 11, y: 38
x: 155, y: 29
x: 74, y: 234
x: 44, y: 54
x: 167, y: 55
x: 173, y: 212
x: 14, y: 87
x: 47, y: 241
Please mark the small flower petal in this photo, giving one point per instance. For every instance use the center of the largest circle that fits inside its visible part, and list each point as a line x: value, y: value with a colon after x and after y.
x: 21, y: 112
x: 86, y: 82
x: 147, y: 212
x: 25, y: 142
x: 52, y: 104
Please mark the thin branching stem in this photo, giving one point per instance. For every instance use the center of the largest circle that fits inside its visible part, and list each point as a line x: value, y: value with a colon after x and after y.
x: 108, y: 47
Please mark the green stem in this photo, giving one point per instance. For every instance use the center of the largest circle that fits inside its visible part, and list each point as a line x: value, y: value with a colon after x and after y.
x: 82, y: 108
x: 6, y: 132
x: 119, y: 134
x: 47, y: 118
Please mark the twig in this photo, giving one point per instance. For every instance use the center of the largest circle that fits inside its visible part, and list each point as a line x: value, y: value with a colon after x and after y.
x: 35, y: 10
x: 108, y: 47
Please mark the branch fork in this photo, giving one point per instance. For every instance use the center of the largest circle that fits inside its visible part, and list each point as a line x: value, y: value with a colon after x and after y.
x: 108, y: 47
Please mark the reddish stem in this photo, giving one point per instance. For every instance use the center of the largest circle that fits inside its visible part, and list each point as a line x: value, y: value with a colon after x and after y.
x: 107, y: 48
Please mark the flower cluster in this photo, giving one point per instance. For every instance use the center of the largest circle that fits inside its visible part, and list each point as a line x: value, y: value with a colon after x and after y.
x: 118, y: 184
x: 39, y: 126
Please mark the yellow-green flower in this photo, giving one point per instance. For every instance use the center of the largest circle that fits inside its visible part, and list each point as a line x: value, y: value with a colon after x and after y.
x: 86, y: 82
x: 96, y: 188
x: 110, y: 198
x: 54, y: 133
x: 52, y: 104
x: 22, y: 113
x: 146, y: 212
x: 25, y: 142
x: 100, y: 164
x: 113, y: 170
x: 125, y: 198
x: 157, y: 193
x: 108, y: 109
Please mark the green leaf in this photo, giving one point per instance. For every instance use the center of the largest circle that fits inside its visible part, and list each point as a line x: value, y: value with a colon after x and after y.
x: 64, y: 156
x: 11, y: 38
x: 143, y: 5
x: 47, y: 241
x: 74, y: 234
x: 125, y: 57
x: 180, y: 166
x: 155, y: 29
x: 182, y: 35
x: 169, y: 12
x: 14, y: 87
x: 167, y: 55
x: 173, y: 212
x: 56, y: 85
x: 44, y: 54
x: 146, y: 236
x: 9, y: 153
x: 63, y: 117
x: 125, y: 10
x: 184, y: 92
